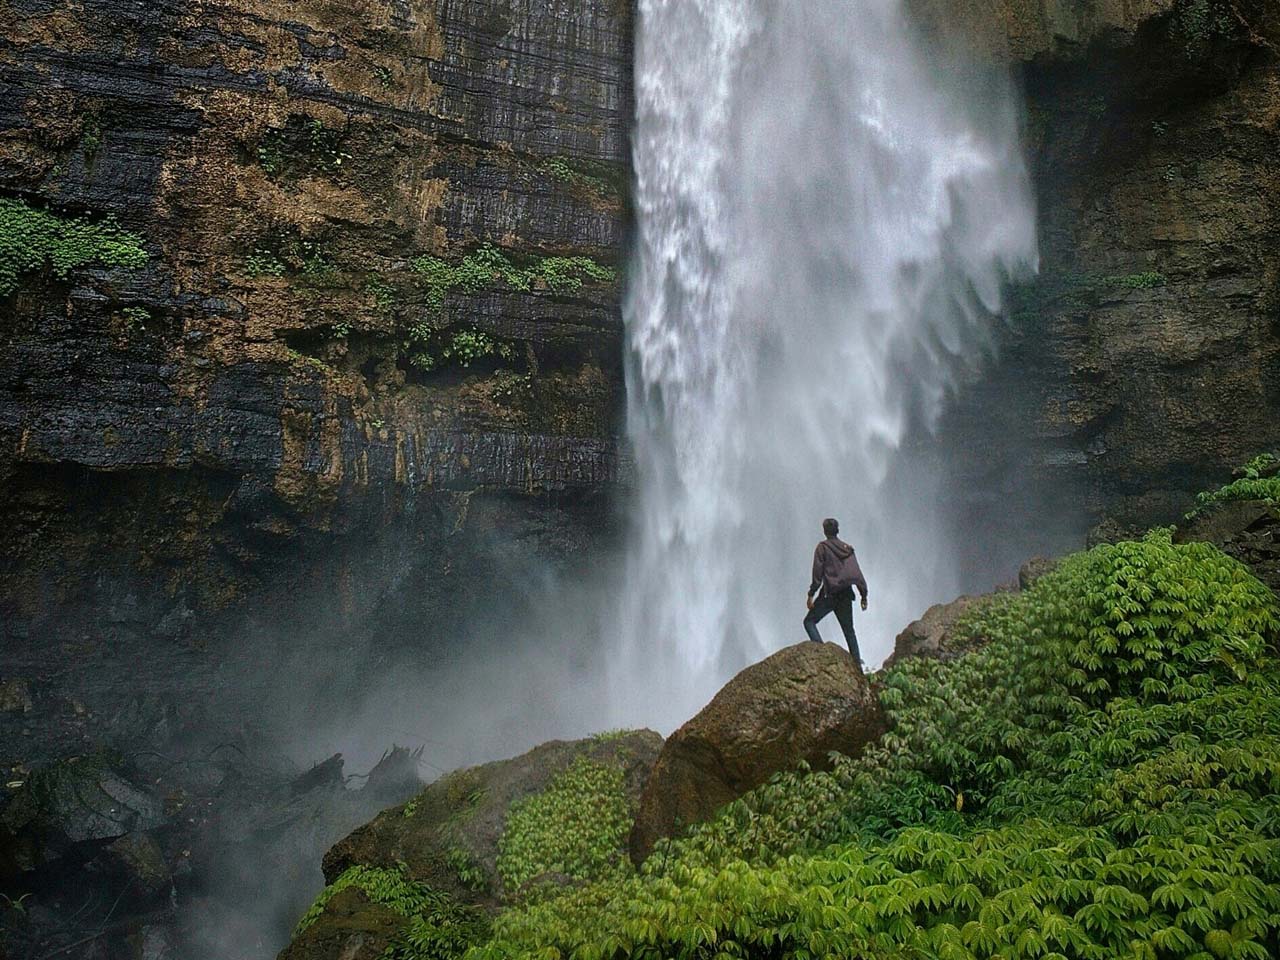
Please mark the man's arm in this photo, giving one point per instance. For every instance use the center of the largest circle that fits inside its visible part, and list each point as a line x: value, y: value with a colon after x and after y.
x: 816, y: 580
x: 860, y: 581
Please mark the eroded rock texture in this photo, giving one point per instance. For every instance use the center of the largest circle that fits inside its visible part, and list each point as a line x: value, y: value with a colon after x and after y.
x: 1144, y: 362
x: 250, y: 478
x: 285, y: 419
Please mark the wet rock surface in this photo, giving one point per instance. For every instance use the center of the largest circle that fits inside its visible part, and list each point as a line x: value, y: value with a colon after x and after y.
x: 449, y: 835
x: 1248, y: 530
x: 112, y: 856
x: 1146, y: 355
x: 800, y: 704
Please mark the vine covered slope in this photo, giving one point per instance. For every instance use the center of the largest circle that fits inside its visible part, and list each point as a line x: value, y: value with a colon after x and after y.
x: 1098, y: 777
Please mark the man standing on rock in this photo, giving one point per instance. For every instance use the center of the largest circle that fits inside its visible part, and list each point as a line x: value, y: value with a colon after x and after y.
x: 835, y: 574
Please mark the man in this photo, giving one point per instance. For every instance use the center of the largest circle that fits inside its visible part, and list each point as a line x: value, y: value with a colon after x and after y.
x: 835, y: 574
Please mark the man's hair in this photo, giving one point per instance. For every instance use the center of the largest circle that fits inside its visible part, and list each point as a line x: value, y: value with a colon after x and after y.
x: 830, y: 526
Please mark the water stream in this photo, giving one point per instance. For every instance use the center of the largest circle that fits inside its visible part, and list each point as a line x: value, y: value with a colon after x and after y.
x: 828, y: 212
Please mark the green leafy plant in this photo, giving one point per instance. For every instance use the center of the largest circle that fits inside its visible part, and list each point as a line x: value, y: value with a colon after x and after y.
x: 1097, y: 777
x: 1260, y: 481
x: 466, y: 869
x: 32, y: 239
x: 439, y: 927
x: 431, y: 349
x: 489, y: 267
x: 577, y: 827
x: 303, y: 144
x: 579, y: 175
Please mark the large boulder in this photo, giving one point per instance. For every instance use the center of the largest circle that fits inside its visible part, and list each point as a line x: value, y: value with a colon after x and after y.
x: 931, y: 635
x: 480, y: 838
x: 800, y: 704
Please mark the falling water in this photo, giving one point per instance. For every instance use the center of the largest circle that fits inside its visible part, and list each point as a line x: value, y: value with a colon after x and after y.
x: 828, y: 210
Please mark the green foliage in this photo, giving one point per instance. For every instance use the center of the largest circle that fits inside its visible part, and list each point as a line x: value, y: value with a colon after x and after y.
x: 439, y: 927
x: 411, y: 809
x: 488, y: 267
x: 466, y: 869
x: 1099, y: 778
x: 576, y: 827
x: 135, y: 318
x: 303, y: 144
x: 1136, y: 281
x: 32, y: 239
x: 384, y: 295
x: 512, y: 387
x: 1260, y: 481
x: 91, y: 136
x: 292, y: 256
x: 578, y: 175
x: 431, y: 349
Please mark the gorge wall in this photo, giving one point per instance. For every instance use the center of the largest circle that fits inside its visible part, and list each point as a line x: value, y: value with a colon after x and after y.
x: 1144, y: 362
x: 308, y: 409
x: 378, y: 316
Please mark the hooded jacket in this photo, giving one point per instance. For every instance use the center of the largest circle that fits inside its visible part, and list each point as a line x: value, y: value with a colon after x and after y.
x: 835, y: 568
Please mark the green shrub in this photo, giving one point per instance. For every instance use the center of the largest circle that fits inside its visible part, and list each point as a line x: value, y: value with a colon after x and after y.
x: 1100, y: 778
x: 32, y: 239
x: 439, y: 927
x: 489, y: 267
x: 576, y: 827
x: 1252, y: 486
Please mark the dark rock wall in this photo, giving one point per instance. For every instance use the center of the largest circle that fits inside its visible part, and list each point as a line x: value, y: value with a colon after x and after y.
x: 235, y: 438
x: 1144, y: 361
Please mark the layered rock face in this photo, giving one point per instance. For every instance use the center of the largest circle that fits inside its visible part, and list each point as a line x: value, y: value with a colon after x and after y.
x: 1144, y: 362
x: 377, y: 318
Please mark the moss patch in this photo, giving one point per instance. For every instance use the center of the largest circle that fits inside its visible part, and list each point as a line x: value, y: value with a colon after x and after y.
x: 438, y: 926
x: 489, y: 267
x: 32, y: 239
x: 576, y: 828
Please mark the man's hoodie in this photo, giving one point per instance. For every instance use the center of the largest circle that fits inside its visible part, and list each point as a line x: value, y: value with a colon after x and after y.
x: 835, y: 567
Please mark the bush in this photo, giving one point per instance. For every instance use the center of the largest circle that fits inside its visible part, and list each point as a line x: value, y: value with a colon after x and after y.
x: 577, y: 827
x: 1100, y: 778
x: 1261, y: 481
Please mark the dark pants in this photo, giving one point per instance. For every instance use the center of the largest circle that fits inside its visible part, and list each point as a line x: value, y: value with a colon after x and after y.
x: 842, y: 604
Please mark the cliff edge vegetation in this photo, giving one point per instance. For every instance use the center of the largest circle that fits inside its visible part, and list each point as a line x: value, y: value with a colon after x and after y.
x: 1096, y: 775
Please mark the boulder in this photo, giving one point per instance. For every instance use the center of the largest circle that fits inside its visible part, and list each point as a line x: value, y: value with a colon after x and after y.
x: 800, y: 704
x: 1034, y: 569
x: 930, y: 636
x: 448, y: 838
x: 1248, y: 530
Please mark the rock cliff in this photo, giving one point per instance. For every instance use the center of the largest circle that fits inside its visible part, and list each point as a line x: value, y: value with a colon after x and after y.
x: 1144, y: 361
x: 299, y: 303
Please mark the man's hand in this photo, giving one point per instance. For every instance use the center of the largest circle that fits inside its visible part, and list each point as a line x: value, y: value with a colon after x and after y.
x: 808, y: 602
x: 864, y: 603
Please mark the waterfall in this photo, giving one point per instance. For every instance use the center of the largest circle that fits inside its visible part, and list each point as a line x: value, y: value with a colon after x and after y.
x: 828, y: 209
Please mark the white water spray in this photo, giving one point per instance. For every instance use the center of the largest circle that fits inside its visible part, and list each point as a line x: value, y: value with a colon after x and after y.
x: 827, y: 214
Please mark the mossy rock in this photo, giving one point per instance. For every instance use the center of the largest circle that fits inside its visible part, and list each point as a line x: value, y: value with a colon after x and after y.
x: 353, y: 927
x: 446, y: 843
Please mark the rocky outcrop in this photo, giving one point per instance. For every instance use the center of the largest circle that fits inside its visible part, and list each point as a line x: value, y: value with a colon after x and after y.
x: 305, y: 372
x: 1143, y: 362
x: 1248, y: 530
x: 800, y: 704
x: 450, y: 839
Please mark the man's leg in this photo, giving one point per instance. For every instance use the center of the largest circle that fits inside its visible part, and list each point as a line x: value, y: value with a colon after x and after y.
x: 821, y: 607
x: 843, y: 606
